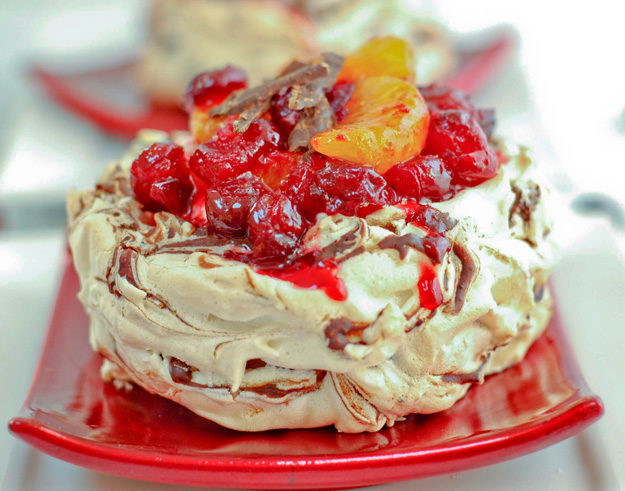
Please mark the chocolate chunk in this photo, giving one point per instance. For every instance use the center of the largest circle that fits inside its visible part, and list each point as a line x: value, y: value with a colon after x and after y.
x: 476, y: 377
x: 341, y: 331
x: 254, y: 364
x: 180, y: 372
x: 524, y: 202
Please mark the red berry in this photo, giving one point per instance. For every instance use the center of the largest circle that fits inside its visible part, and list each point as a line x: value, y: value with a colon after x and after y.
x: 228, y: 205
x: 275, y: 227
x: 340, y: 187
x: 458, y: 139
x: 229, y: 154
x: 212, y: 88
x: 338, y: 97
x: 436, y: 178
x: 160, y: 178
x: 281, y: 115
x: 405, y: 178
x: 424, y: 176
x: 442, y: 98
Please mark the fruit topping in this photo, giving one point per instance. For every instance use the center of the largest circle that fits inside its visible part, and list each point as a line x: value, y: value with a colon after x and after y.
x: 344, y: 188
x: 338, y: 97
x: 211, y: 88
x: 457, y: 138
x: 160, y: 178
x: 275, y: 227
x: 386, y: 123
x: 229, y: 154
x: 443, y: 98
x: 228, y: 205
x: 325, y: 137
x: 387, y: 55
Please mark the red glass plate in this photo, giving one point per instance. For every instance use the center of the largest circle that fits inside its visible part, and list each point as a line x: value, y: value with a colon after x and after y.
x: 110, y: 99
x: 72, y: 415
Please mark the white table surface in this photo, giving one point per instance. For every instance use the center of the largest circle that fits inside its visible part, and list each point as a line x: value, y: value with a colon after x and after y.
x: 548, y: 97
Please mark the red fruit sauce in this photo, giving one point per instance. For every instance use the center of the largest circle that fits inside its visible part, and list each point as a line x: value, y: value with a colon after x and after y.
x: 251, y: 188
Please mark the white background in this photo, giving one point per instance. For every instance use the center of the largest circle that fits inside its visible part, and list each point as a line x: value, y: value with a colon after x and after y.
x: 564, y: 95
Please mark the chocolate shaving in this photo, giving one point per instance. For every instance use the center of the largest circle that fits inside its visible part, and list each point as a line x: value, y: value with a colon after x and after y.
x: 309, y: 84
x: 240, y: 100
x: 466, y: 276
x: 312, y: 121
x: 434, y: 246
x: 249, y: 115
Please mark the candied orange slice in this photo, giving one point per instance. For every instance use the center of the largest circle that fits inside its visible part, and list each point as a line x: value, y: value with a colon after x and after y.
x: 387, y: 55
x: 386, y: 123
x: 203, y: 127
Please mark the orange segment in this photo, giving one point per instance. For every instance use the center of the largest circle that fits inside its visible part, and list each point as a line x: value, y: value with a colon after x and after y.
x: 381, y: 56
x: 386, y: 123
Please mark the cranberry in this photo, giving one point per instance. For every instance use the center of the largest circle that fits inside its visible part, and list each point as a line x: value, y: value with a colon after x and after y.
x: 340, y: 187
x: 275, y: 166
x: 436, y: 178
x: 338, y: 97
x: 441, y: 98
x: 405, y: 178
x: 275, y: 227
x: 281, y: 115
x: 424, y: 176
x: 458, y: 139
x: 160, y: 178
x: 228, y: 205
x: 476, y: 167
x: 229, y: 154
x: 212, y: 88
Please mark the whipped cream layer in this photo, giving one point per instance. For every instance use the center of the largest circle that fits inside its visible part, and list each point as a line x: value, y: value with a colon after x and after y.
x: 253, y: 352
x: 263, y: 36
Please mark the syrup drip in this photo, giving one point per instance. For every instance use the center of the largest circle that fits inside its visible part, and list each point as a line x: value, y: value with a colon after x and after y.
x: 430, y: 294
x: 322, y: 276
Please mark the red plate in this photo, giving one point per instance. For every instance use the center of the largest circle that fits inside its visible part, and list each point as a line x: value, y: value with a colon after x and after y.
x: 72, y: 415
x: 110, y: 99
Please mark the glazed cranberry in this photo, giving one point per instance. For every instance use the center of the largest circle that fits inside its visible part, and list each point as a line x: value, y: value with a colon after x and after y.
x: 281, y: 115
x: 476, y: 167
x: 442, y: 98
x: 338, y: 97
x: 160, y: 178
x: 274, y: 226
x: 344, y: 188
x: 211, y: 88
x: 405, y: 179
x: 436, y: 178
x: 229, y: 204
x: 275, y: 166
x: 459, y: 140
x: 229, y: 154
x: 424, y: 176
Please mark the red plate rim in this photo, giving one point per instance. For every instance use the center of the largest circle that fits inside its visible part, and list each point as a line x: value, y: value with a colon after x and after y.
x: 305, y: 471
